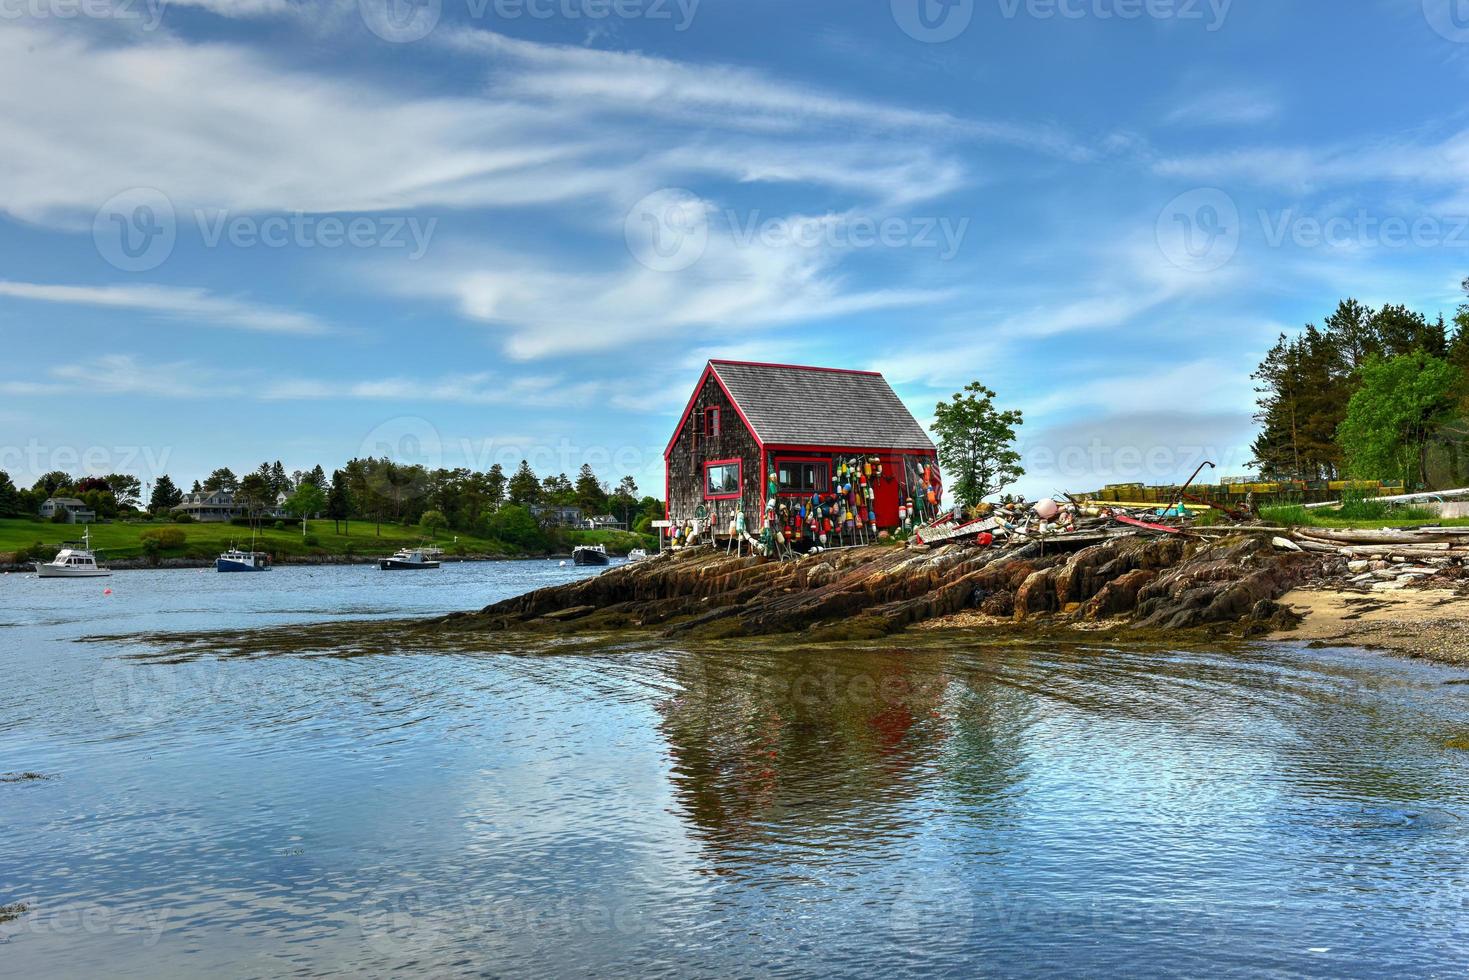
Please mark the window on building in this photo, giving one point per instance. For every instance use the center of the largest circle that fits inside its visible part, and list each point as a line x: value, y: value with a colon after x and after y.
x: 711, y: 421
x: 722, y: 480
x: 803, y: 476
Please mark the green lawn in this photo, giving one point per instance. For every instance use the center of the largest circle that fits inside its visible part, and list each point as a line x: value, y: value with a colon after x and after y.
x: 1297, y: 516
x: 205, y: 541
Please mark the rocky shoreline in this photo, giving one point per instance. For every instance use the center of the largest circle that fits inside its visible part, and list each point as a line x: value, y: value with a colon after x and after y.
x: 1234, y: 584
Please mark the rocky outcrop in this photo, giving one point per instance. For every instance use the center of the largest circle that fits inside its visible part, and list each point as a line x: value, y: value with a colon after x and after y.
x: 1134, y: 581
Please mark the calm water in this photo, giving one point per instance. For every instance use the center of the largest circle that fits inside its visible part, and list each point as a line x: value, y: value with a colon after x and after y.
x: 743, y: 809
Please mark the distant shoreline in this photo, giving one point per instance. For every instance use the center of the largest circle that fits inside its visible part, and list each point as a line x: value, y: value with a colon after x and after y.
x: 175, y: 564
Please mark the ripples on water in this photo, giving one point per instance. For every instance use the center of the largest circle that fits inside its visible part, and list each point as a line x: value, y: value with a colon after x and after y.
x: 741, y: 808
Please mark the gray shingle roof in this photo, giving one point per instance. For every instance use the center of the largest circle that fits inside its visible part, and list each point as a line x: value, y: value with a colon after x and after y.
x: 821, y: 407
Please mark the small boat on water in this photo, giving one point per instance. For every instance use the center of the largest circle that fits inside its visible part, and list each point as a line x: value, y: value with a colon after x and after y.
x: 637, y: 554
x: 410, y: 558
x: 74, y: 562
x: 589, y: 554
x: 236, y: 560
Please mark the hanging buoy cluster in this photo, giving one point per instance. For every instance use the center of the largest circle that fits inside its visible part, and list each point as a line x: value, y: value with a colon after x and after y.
x: 843, y: 515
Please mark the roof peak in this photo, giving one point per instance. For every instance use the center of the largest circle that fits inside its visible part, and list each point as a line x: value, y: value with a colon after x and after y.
x: 794, y: 367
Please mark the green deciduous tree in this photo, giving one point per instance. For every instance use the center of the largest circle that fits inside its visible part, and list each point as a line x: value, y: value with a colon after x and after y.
x: 306, y: 502
x: 977, y: 443
x: 1399, y: 407
x: 515, y: 525
x: 433, y: 521
x: 126, y: 488
x: 53, y: 483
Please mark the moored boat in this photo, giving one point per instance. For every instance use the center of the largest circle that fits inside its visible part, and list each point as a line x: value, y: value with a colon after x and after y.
x: 236, y: 560
x: 410, y: 558
x: 637, y: 554
x: 74, y: 562
x: 589, y: 554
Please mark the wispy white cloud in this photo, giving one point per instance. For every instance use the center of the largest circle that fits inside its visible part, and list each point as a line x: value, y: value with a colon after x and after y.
x: 729, y: 96
x: 1441, y: 163
x: 123, y: 374
x: 733, y: 290
x: 1236, y: 106
x: 197, y: 307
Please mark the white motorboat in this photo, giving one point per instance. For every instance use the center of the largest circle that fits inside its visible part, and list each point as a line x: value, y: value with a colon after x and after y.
x: 410, y: 558
x: 74, y: 562
x: 637, y: 554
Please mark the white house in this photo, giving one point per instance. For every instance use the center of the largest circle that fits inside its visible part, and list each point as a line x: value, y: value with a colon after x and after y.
x: 77, y: 512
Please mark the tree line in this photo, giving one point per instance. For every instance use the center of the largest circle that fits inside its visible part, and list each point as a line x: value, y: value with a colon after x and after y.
x: 368, y: 490
x: 1369, y: 394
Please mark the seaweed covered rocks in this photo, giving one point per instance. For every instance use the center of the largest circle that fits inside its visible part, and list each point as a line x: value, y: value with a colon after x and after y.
x: 1132, y: 581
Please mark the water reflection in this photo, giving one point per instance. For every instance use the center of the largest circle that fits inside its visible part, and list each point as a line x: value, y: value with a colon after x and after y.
x: 937, y: 803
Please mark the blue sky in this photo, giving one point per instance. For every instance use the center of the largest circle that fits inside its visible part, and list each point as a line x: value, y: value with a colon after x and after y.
x: 467, y: 231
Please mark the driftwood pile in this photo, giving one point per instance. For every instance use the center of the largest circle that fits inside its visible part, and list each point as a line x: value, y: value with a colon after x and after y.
x: 1386, y: 560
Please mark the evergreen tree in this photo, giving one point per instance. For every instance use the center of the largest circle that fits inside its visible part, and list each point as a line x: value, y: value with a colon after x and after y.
x: 10, y: 502
x: 524, y: 488
x: 222, y: 479
x: 339, y: 501
x: 591, y: 496
x: 165, y: 496
x: 494, y: 484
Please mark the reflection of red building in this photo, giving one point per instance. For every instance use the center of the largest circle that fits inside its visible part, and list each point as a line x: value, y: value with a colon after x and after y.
x: 812, y: 427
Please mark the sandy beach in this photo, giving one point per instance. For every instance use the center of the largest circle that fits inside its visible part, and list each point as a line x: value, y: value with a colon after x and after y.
x: 1428, y: 623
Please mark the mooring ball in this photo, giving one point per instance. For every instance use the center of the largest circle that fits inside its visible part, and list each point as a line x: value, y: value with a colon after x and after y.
x: 1047, y: 509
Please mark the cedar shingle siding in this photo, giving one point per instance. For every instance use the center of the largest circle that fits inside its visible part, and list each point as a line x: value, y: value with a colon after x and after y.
x: 793, y: 413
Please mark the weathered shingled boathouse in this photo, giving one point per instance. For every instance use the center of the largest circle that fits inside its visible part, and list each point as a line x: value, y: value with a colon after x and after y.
x: 816, y: 429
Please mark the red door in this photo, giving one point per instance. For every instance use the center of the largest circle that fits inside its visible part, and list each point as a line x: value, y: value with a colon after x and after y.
x: 885, y: 501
